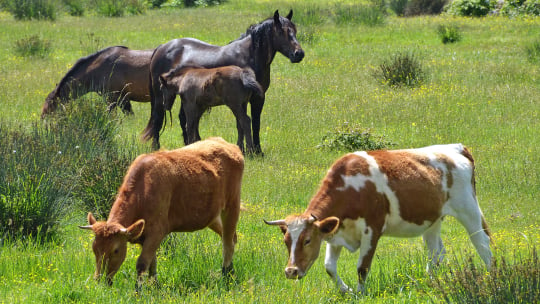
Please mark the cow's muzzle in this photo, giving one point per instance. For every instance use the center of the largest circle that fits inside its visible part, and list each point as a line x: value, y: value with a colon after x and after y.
x: 294, y: 273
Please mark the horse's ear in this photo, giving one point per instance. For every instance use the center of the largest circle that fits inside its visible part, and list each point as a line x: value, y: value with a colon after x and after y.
x: 289, y: 16
x: 276, y: 18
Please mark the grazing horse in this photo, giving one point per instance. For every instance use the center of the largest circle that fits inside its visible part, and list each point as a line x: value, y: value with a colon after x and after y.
x: 201, y: 88
x: 118, y: 71
x: 255, y: 49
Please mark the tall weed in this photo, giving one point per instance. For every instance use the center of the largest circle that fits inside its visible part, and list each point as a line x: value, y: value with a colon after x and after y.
x: 517, y: 282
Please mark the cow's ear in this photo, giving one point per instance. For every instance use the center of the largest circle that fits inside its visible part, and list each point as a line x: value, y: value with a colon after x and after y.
x: 91, y: 218
x: 283, y: 228
x: 135, y: 230
x: 328, y: 226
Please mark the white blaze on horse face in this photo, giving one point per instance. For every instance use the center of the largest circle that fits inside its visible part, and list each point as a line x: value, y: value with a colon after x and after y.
x: 295, y: 230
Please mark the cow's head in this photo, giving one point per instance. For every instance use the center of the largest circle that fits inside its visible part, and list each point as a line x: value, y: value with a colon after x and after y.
x: 303, y: 236
x: 110, y: 245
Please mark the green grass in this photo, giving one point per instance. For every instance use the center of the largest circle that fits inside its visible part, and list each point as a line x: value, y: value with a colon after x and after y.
x: 482, y: 92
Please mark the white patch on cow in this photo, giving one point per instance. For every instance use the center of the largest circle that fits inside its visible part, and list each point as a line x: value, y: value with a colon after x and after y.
x: 381, y: 184
x: 365, y: 247
x: 295, y: 229
x: 349, y: 234
x: 356, y: 182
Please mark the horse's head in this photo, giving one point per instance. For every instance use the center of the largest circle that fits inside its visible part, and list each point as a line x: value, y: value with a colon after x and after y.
x: 51, y: 103
x: 284, y: 38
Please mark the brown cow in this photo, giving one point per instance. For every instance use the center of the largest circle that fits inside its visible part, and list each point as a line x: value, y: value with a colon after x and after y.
x: 180, y: 190
x: 400, y: 193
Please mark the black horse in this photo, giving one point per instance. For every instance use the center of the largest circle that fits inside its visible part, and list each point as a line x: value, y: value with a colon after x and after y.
x: 255, y: 49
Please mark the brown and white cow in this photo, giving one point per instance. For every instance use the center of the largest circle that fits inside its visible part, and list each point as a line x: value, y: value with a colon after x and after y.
x: 180, y: 190
x: 400, y: 193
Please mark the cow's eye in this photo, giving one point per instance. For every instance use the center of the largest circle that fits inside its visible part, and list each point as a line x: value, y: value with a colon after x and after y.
x: 307, y: 241
x: 115, y: 251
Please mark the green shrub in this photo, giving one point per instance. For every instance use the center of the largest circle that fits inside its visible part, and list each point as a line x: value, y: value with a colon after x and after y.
x: 32, y: 9
x: 533, y: 51
x: 157, y: 3
x: 403, y: 69
x: 518, y: 282
x: 72, y: 160
x: 449, y: 33
x: 33, y: 46
x: 520, y: 7
x: 351, y: 137
x: 33, y: 194
x: 372, y: 15
x: 74, y: 7
x: 86, y: 131
x: 424, y: 7
x: 474, y: 8
x: 111, y: 8
x: 398, y: 6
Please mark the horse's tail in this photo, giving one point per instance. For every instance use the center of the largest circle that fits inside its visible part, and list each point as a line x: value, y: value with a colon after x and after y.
x: 250, y: 82
x: 148, y: 132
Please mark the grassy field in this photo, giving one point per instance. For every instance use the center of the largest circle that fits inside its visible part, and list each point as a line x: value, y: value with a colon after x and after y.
x: 482, y: 91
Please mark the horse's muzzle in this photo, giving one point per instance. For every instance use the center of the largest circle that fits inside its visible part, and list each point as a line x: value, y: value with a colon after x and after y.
x: 297, y: 56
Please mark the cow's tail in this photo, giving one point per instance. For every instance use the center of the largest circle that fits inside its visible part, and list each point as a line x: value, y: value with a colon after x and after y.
x: 250, y: 82
x: 467, y: 154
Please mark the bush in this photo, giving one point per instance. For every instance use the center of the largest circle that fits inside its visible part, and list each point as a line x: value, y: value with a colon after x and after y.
x: 398, y: 6
x: 373, y: 14
x: 520, y: 7
x: 350, y: 138
x: 118, y: 8
x: 402, y: 69
x: 70, y: 161
x: 424, y: 7
x: 474, y: 8
x: 533, y: 51
x: 504, y: 283
x: 449, y: 33
x: 33, y: 46
x: 32, y: 194
x: 32, y: 9
x: 87, y: 133
x: 74, y: 7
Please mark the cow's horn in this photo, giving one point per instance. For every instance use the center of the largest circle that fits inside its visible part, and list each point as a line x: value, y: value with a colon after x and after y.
x: 87, y: 227
x: 278, y: 222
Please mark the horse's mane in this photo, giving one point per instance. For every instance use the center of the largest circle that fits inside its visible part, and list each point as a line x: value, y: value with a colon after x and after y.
x: 83, y: 62
x: 257, y: 32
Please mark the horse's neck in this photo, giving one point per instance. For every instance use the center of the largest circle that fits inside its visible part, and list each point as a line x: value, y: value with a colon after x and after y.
x: 258, y: 58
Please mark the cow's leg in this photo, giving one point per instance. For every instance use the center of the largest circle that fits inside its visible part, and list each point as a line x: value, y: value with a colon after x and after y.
x: 146, y: 263
x: 152, y: 270
x: 330, y: 263
x: 432, y: 238
x: 229, y: 218
x: 470, y: 216
x: 368, y: 245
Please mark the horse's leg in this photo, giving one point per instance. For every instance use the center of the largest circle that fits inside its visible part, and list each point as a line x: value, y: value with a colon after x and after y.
x: 183, y: 122
x: 243, y: 124
x: 257, y: 104
x: 198, y: 114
